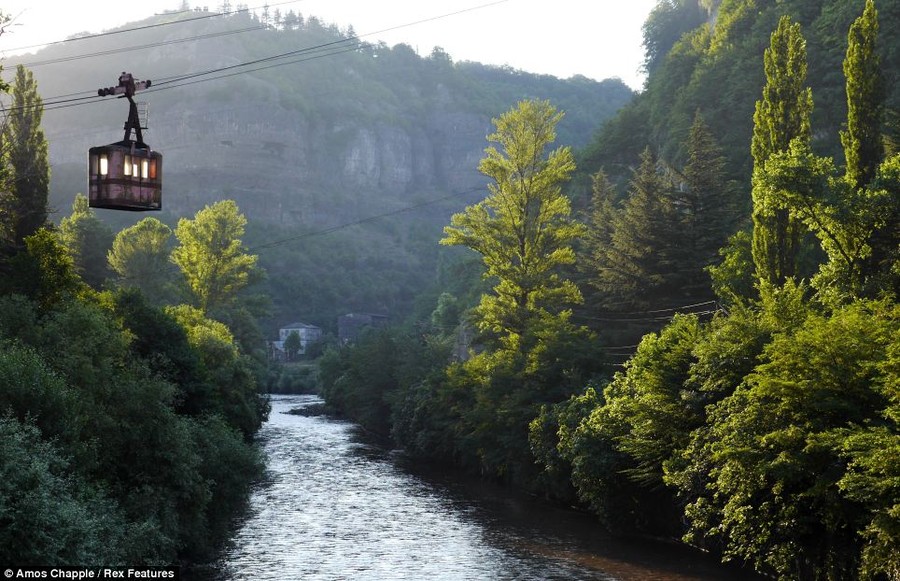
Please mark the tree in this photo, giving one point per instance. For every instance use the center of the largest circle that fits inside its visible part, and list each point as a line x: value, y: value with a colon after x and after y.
x: 776, y: 450
x: 292, y: 345
x: 707, y: 200
x: 640, y: 263
x: 666, y: 23
x: 781, y: 116
x: 211, y: 256
x: 25, y: 151
x: 857, y: 227
x: 87, y: 239
x: 856, y: 216
x: 45, y: 273
x: 598, y: 235
x: 863, y: 145
x: 140, y: 256
x: 523, y: 229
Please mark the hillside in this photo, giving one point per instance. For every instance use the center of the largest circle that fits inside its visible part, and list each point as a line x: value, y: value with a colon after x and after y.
x: 706, y: 55
x: 334, y: 133
x: 336, y: 130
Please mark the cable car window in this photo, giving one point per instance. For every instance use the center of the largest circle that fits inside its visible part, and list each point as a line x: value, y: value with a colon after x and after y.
x: 93, y: 168
x: 145, y: 168
x: 152, y: 169
x: 104, y: 164
x: 127, y: 167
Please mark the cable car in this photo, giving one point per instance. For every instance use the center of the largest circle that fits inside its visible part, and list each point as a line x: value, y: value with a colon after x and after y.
x: 126, y: 175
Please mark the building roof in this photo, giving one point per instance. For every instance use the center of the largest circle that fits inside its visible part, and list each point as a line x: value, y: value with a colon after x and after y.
x: 299, y: 326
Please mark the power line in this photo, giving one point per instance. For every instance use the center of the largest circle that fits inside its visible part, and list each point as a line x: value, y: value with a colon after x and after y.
x: 148, y: 26
x: 712, y: 307
x: 354, y: 39
x: 154, y: 89
x: 53, y: 103
x: 33, y: 64
x: 331, y: 229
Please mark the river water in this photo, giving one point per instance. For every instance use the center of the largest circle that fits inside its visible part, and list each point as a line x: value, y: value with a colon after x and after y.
x: 333, y: 507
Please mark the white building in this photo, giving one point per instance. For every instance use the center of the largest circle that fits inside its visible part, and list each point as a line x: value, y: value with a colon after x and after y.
x: 308, y: 334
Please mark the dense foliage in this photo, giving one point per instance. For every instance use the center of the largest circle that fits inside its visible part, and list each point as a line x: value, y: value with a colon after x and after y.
x: 764, y: 429
x: 125, y: 429
x: 312, y: 146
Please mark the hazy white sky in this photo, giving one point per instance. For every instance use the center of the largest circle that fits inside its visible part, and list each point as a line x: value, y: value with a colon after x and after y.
x: 595, y: 38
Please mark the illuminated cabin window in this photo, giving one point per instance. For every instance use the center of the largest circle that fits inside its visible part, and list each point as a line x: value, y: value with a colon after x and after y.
x: 127, y: 166
x: 145, y: 168
x: 104, y: 164
x: 152, y: 169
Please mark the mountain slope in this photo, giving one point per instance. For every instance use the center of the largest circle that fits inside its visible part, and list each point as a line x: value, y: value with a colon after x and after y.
x: 325, y: 138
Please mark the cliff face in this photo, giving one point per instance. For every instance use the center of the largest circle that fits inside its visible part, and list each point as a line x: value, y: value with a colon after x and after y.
x: 292, y: 168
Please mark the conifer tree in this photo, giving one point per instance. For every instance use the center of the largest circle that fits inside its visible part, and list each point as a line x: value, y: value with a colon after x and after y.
x: 26, y: 160
x: 597, y: 239
x: 862, y: 141
x: 781, y: 116
x: 707, y: 199
x: 640, y: 265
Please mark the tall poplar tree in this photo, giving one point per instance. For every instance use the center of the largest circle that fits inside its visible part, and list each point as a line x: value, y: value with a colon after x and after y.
x: 26, y: 159
x: 862, y: 141
x: 523, y: 229
x: 781, y: 116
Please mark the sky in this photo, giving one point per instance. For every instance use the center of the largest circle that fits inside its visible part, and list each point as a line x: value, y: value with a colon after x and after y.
x: 598, y: 39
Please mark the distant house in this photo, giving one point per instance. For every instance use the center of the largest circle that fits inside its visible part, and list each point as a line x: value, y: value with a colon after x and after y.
x: 308, y: 334
x: 352, y: 324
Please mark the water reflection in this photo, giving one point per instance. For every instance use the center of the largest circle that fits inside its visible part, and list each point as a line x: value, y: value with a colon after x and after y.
x: 333, y: 507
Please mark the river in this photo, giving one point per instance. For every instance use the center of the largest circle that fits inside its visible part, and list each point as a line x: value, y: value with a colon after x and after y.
x: 333, y: 507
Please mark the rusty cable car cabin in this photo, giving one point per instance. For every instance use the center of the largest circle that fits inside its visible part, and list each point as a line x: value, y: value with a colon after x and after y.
x: 126, y: 175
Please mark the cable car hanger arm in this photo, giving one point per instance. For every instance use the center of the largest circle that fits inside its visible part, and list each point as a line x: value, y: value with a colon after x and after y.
x: 127, y: 88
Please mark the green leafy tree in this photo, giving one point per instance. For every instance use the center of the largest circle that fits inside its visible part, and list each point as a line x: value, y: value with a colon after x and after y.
x: 236, y: 395
x: 140, y: 257
x: 49, y: 516
x: 862, y: 141
x: 732, y: 278
x: 45, y: 272
x: 211, y: 256
x: 523, y: 229
x: 857, y: 227
x: 651, y: 400
x: 776, y: 455
x: 292, y: 345
x: 87, y: 239
x: 873, y: 474
x: 854, y: 217
x: 25, y: 153
x: 666, y: 23
x: 781, y: 116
